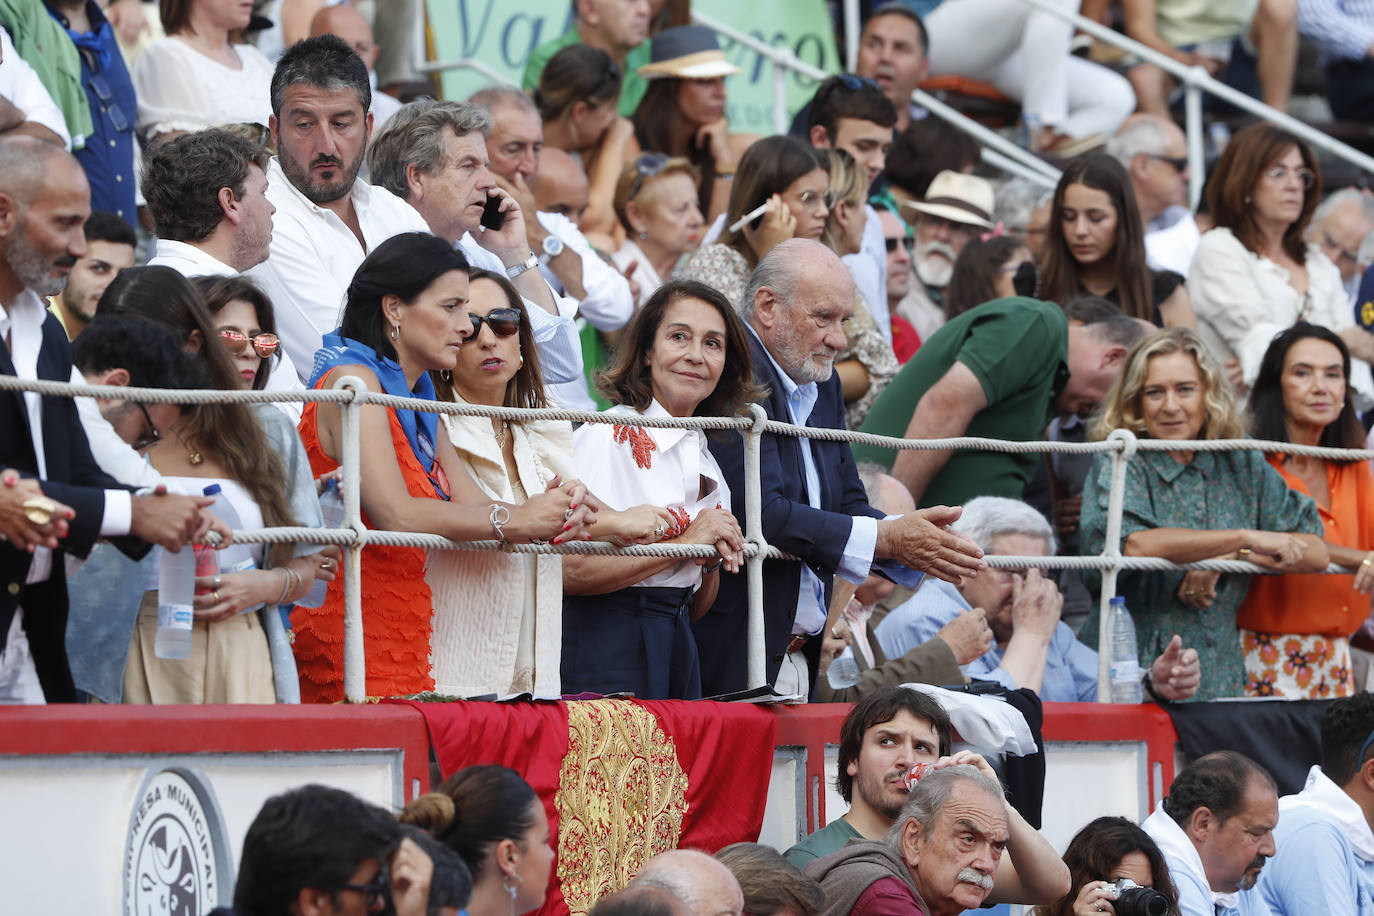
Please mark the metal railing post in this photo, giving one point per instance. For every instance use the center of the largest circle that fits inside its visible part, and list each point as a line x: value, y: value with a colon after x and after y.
x: 753, y: 534
x: 1197, y: 161
x: 355, y: 662
x: 780, y: 124
x: 1111, y: 550
x: 851, y: 35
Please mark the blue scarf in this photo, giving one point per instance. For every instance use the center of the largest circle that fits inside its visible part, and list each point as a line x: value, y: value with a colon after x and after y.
x: 98, y: 41
x: 420, y: 427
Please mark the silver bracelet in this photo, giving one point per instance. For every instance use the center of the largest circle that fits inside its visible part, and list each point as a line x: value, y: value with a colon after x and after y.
x: 500, y: 515
x: 285, y: 586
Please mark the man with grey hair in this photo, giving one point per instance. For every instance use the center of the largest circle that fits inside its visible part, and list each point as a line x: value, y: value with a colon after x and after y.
x: 1033, y: 648
x: 1154, y: 152
x: 814, y: 507
x: 1339, y: 226
x: 703, y: 884
x: 433, y: 155
x: 939, y: 858
x: 1023, y: 206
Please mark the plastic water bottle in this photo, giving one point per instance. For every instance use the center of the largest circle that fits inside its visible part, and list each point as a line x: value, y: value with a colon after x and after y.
x: 1125, y: 657
x: 843, y: 671
x: 235, y: 557
x: 332, y: 508
x: 176, y: 587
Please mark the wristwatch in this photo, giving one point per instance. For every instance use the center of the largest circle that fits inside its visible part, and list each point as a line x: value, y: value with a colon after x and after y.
x: 553, y: 247
x: 528, y: 264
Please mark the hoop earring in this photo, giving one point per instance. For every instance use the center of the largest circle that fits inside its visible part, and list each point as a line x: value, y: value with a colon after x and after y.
x: 447, y: 375
x: 395, y: 331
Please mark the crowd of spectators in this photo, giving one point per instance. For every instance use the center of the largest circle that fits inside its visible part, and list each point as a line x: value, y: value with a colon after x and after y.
x: 195, y: 211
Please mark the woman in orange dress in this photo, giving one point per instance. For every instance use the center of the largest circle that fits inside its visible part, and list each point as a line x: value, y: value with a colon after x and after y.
x: 406, y: 314
x: 1295, y: 630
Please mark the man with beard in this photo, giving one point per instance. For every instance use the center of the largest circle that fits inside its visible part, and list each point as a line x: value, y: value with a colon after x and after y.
x: 814, y: 507
x: 956, y: 207
x: 54, y: 500
x: 883, y: 737
x: 1001, y: 371
x: 110, y: 244
x: 1216, y: 829
x: 326, y: 220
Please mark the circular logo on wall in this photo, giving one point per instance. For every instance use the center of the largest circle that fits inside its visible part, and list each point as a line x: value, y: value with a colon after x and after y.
x: 176, y: 855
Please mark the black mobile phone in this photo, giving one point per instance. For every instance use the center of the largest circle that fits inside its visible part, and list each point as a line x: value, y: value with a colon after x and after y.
x: 492, y: 216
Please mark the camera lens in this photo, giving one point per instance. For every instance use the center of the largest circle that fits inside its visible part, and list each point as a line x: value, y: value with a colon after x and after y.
x: 1141, y: 901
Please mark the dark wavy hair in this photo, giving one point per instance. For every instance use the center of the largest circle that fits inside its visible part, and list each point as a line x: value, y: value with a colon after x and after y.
x: 1096, y: 852
x: 577, y: 73
x: 526, y: 387
x: 627, y: 380
x: 1268, y: 417
x: 476, y: 808
x: 1060, y: 278
x: 881, y: 706
x: 974, y: 280
x: 1241, y: 167
x: 220, y: 291
x: 1345, y: 726
x: 182, y: 178
x: 404, y: 266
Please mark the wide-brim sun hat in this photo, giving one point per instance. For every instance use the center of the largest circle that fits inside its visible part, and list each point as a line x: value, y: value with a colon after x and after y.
x: 688, y: 52
x: 958, y: 198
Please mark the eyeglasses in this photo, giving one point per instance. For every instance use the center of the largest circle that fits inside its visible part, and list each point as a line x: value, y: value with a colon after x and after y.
x: 263, y: 344
x: 374, y: 891
x: 647, y: 165
x: 1179, y: 163
x: 152, y: 437
x: 1340, y: 254
x: 503, y: 322
x: 906, y: 242
x: 811, y: 198
x: 1279, y: 175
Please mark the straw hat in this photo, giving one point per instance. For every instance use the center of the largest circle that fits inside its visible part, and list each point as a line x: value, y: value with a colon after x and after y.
x: 688, y: 52
x: 958, y: 198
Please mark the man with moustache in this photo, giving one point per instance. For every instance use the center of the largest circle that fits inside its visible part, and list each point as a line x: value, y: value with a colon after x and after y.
x: 887, y: 733
x: 956, y: 207
x: 938, y: 859
x: 1216, y: 829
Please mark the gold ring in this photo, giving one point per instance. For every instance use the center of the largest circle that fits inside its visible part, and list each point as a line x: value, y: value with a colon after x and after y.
x: 326, y: 565
x: 1243, y: 553
x: 215, y: 595
x: 1367, y: 560
x: 39, y: 509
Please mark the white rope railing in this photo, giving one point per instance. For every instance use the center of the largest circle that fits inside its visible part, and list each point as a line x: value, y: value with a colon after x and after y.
x: 352, y: 394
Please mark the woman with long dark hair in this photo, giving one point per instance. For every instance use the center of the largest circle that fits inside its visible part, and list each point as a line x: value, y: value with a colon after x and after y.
x: 1106, y: 850
x: 1096, y: 246
x: 1295, y: 630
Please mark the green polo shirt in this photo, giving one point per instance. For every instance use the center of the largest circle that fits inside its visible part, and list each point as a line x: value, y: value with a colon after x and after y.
x: 822, y: 843
x: 1018, y: 350
x: 631, y: 89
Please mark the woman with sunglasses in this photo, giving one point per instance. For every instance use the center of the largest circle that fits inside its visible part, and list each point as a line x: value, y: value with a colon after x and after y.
x: 497, y: 616
x: 626, y: 621
x: 245, y: 323
x: 405, y: 316
x: 577, y: 96
x: 1095, y: 245
x: 788, y: 177
x: 656, y: 203
x: 239, y: 652
x: 1255, y: 275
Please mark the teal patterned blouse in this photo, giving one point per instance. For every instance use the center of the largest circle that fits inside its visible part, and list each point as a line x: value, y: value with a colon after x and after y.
x: 1216, y: 491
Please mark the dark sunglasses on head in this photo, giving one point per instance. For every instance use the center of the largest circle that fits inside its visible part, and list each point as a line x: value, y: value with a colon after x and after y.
x: 648, y: 165
x: 1179, y: 163
x: 263, y: 344
x: 503, y: 322
x: 855, y: 83
x: 907, y: 242
x: 152, y: 437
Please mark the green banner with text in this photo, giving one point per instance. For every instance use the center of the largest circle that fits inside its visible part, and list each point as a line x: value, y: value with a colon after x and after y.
x: 501, y: 35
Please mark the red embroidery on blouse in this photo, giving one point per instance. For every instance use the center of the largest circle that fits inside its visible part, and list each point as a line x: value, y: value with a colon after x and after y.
x: 641, y: 443
x: 681, y: 520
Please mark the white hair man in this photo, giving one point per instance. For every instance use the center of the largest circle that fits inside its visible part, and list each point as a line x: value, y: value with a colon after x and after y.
x: 1339, y: 226
x: 1154, y: 152
x: 1033, y: 648
x: 939, y: 857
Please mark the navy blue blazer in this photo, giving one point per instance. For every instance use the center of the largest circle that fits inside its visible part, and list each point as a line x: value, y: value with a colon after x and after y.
x: 72, y: 478
x: 789, y: 523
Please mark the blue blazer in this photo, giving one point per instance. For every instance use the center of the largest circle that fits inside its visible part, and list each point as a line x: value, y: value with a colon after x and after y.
x: 789, y: 523
x: 72, y: 478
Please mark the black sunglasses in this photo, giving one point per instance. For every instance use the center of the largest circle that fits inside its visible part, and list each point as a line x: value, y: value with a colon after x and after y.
x: 1179, y: 163
x: 647, y: 165
x: 906, y: 241
x: 503, y: 322
x: 153, y: 437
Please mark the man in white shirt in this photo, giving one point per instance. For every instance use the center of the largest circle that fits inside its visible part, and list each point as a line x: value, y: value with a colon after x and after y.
x: 433, y: 155
x: 327, y: 220
x: 63, y: 501
x: 25, y: 105
x: 1216, y: 829
x: 1325, y: 838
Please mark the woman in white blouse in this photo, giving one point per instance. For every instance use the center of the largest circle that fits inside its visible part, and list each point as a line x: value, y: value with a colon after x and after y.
x: 1254, y: 275
x: 497, y: 615
x: 656, y: 202
x: 626, y: 621
x: 198, y: 77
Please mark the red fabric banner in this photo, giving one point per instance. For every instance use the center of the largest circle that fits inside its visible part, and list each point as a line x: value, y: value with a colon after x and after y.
x: 621, y: 780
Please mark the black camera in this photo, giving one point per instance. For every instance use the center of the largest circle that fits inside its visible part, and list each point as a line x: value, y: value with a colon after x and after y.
x: 1130, y: 899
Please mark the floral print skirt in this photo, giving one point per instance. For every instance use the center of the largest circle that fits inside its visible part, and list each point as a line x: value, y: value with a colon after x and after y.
x: 1295, y: 666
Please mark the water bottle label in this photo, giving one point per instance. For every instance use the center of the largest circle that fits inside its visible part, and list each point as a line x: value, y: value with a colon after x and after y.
x: 1126, y: 670
x: 175, y: 616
